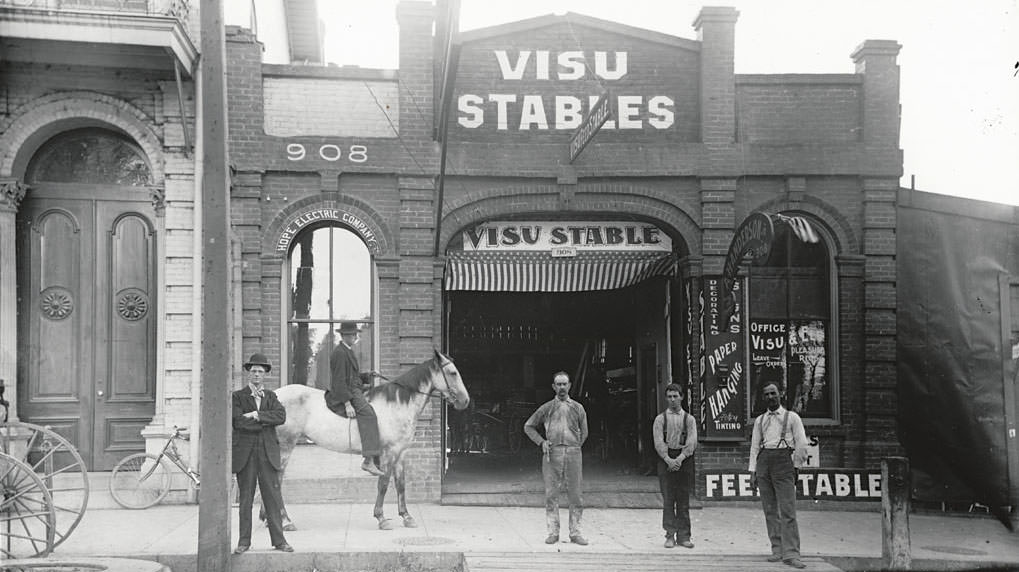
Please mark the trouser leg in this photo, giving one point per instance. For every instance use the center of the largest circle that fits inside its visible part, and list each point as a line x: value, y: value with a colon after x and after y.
x: 552, y: 473
x: 784, y: 480
x: 683, y: 482
x: 368, y: 426
x: 574, y: 484
x: 665, y: 485
x: 246, y: 479
x: 769, y: 501
x: 269, y: 485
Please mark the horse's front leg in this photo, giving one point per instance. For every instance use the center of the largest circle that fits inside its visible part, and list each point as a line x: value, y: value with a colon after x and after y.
x: 380, y: 499
x: 401, y: 495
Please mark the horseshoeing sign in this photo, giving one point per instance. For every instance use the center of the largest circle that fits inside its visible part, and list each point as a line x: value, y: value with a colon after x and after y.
x: 752, y: 238
x: 600, y: 113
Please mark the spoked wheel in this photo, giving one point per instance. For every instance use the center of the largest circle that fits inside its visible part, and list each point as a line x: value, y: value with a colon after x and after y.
x: 139, y: 481
x: 57, y: 464
x: 27, y: 516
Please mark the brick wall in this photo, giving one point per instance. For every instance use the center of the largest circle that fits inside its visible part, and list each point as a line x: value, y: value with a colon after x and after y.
x: 799, y: 109
x: 312, y: 106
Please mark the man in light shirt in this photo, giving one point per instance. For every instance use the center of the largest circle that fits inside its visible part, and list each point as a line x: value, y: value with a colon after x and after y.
x: 777, y: 450
x: 674, y: 434
x: 564, y: 422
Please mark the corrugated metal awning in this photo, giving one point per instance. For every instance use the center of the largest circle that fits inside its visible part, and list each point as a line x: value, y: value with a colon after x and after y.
x: 540, y: 272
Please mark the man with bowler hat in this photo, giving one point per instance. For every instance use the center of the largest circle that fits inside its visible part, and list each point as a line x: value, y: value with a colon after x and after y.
x: 256, y: 452
x: 345, y: 393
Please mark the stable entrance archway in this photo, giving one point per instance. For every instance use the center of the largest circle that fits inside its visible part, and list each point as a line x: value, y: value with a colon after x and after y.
x: 513, y: 318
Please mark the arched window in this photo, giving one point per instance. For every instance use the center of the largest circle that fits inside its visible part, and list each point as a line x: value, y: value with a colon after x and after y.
x: 331, y: 279
x: 792, y: 326
x: 92, y: 156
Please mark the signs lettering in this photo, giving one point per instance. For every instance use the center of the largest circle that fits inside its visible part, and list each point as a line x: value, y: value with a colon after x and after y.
x: 562, y: 111
x: 812, y: 484
x: 561, y: 236
x: 723, y: 377
x: 304, y: 218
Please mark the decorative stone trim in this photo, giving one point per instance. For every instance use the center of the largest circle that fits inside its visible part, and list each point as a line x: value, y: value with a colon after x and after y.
x: 56, y: 303
x: 11, y: 193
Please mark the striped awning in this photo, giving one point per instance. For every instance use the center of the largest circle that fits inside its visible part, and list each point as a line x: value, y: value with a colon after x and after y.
x: 540, y: 272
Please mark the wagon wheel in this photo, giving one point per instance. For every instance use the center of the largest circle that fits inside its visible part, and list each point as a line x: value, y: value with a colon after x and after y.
x: 57, y: 464
x: 27, y: 516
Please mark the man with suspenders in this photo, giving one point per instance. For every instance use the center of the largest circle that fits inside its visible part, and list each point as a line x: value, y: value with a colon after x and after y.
x: 675, y: 437
x: 777, y: 449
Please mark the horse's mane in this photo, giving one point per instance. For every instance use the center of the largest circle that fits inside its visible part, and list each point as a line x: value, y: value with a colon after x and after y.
x: 404, y: 387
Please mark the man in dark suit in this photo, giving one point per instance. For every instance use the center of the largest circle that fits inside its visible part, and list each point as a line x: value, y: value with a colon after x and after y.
x: 256, y: 452
x: 345, y: 393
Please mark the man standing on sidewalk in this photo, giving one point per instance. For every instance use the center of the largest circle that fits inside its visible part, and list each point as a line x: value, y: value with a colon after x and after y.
x: 674, y: 434
x: 778, y: 439
x: 256, y: 453
x: 565, y: 424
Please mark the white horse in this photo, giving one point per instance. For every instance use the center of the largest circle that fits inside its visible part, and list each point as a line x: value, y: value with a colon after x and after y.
x: 397, y: 404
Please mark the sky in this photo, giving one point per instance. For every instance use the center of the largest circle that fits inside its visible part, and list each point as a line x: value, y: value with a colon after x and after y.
x: 958, y: 89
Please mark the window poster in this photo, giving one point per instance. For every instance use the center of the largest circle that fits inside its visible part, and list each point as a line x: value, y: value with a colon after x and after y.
x: 723, y: 374
x: 792, y: 354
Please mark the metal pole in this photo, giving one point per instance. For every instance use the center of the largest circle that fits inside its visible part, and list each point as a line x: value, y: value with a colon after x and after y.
x: 214, y: 508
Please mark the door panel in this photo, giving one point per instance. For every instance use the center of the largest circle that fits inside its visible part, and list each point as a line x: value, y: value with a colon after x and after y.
x: 125, y: 368
x: 56, y: 318
x: 86, y: 307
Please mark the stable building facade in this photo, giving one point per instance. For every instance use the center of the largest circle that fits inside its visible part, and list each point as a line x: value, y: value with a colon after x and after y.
x: 531, y: 255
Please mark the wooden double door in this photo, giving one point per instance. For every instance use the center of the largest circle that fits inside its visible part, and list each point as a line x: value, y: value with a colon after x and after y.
x: 87, y: 321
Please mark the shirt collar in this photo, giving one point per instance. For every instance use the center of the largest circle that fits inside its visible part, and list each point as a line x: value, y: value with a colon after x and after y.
x: 254, y: 391
x: 778, y: 411
x: 346, y: 345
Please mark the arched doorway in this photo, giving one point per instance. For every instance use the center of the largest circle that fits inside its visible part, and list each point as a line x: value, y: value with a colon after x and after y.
x: 87, y: 293
x: 595, y: 297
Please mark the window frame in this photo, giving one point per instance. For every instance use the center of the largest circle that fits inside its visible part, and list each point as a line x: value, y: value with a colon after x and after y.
x: 286, y: 288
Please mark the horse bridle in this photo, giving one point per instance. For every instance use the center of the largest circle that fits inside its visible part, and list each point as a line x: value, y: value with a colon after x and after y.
x: 444, y: 394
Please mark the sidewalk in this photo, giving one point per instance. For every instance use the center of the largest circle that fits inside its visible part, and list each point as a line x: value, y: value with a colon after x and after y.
x: 944, y: 542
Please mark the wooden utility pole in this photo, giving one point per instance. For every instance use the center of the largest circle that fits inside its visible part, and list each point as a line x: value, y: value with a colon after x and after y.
x: 215, y: 426
x: 895, y: 485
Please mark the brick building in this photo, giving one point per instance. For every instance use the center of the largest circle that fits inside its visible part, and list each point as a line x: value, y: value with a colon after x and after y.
x: 607, y: 266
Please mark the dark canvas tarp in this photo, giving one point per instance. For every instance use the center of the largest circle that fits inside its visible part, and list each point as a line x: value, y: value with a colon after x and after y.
x: 950, y: 373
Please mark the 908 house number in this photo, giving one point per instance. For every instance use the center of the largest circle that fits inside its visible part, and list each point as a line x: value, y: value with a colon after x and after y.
x: 328, y: 152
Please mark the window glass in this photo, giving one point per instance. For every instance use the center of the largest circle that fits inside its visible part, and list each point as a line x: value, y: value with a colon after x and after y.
x: 92, y: 156
x: 330, y: 280
x: 790, y: 326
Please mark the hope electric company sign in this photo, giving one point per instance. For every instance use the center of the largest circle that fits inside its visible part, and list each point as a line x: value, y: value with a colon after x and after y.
x: 562, y: 111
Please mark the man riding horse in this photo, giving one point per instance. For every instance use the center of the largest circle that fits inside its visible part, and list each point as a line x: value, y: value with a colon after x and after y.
x: 346, y: 393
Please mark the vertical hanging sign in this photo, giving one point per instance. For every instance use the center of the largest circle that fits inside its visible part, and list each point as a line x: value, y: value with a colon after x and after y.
x: 723, y: 373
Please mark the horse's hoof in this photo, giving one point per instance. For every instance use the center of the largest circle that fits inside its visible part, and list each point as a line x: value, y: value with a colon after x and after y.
x: 290, y: 527
x: 386, y: 524
x: 409, y: 522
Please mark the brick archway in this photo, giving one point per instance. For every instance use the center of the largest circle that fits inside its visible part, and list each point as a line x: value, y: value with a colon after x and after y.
x: 651, y: 204
x: 360, y: 211
x: 47, y: 116
x: 837, y: 227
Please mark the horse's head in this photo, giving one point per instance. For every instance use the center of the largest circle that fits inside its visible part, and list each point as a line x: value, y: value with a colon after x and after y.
x: 449, y: 383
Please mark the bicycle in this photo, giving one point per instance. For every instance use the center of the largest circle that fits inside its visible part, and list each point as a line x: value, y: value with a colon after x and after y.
x: 142, y: 480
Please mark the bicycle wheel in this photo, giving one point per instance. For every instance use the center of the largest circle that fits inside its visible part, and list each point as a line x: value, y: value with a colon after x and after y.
x: 139, y: 481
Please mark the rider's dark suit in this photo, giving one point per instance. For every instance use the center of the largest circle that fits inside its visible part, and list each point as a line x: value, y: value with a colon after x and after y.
x: 346, y: 386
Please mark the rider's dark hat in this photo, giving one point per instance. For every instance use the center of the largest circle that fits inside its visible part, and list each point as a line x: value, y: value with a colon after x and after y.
x: 348, y: 328
x: 258, y: 359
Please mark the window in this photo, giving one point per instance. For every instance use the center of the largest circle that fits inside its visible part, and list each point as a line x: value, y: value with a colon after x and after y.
x: 791, y: 326
x: 330, y: 280
x: 92, y: 156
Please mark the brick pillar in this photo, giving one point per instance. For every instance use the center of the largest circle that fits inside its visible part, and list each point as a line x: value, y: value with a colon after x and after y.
x: 716, y: 30
x: 852, y: 394
x: 718, y: 221
x: 419, y: 310
x: 879, y: 328
x: 876, y: 60
x: 245, y: 113
x: 416, y: 74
